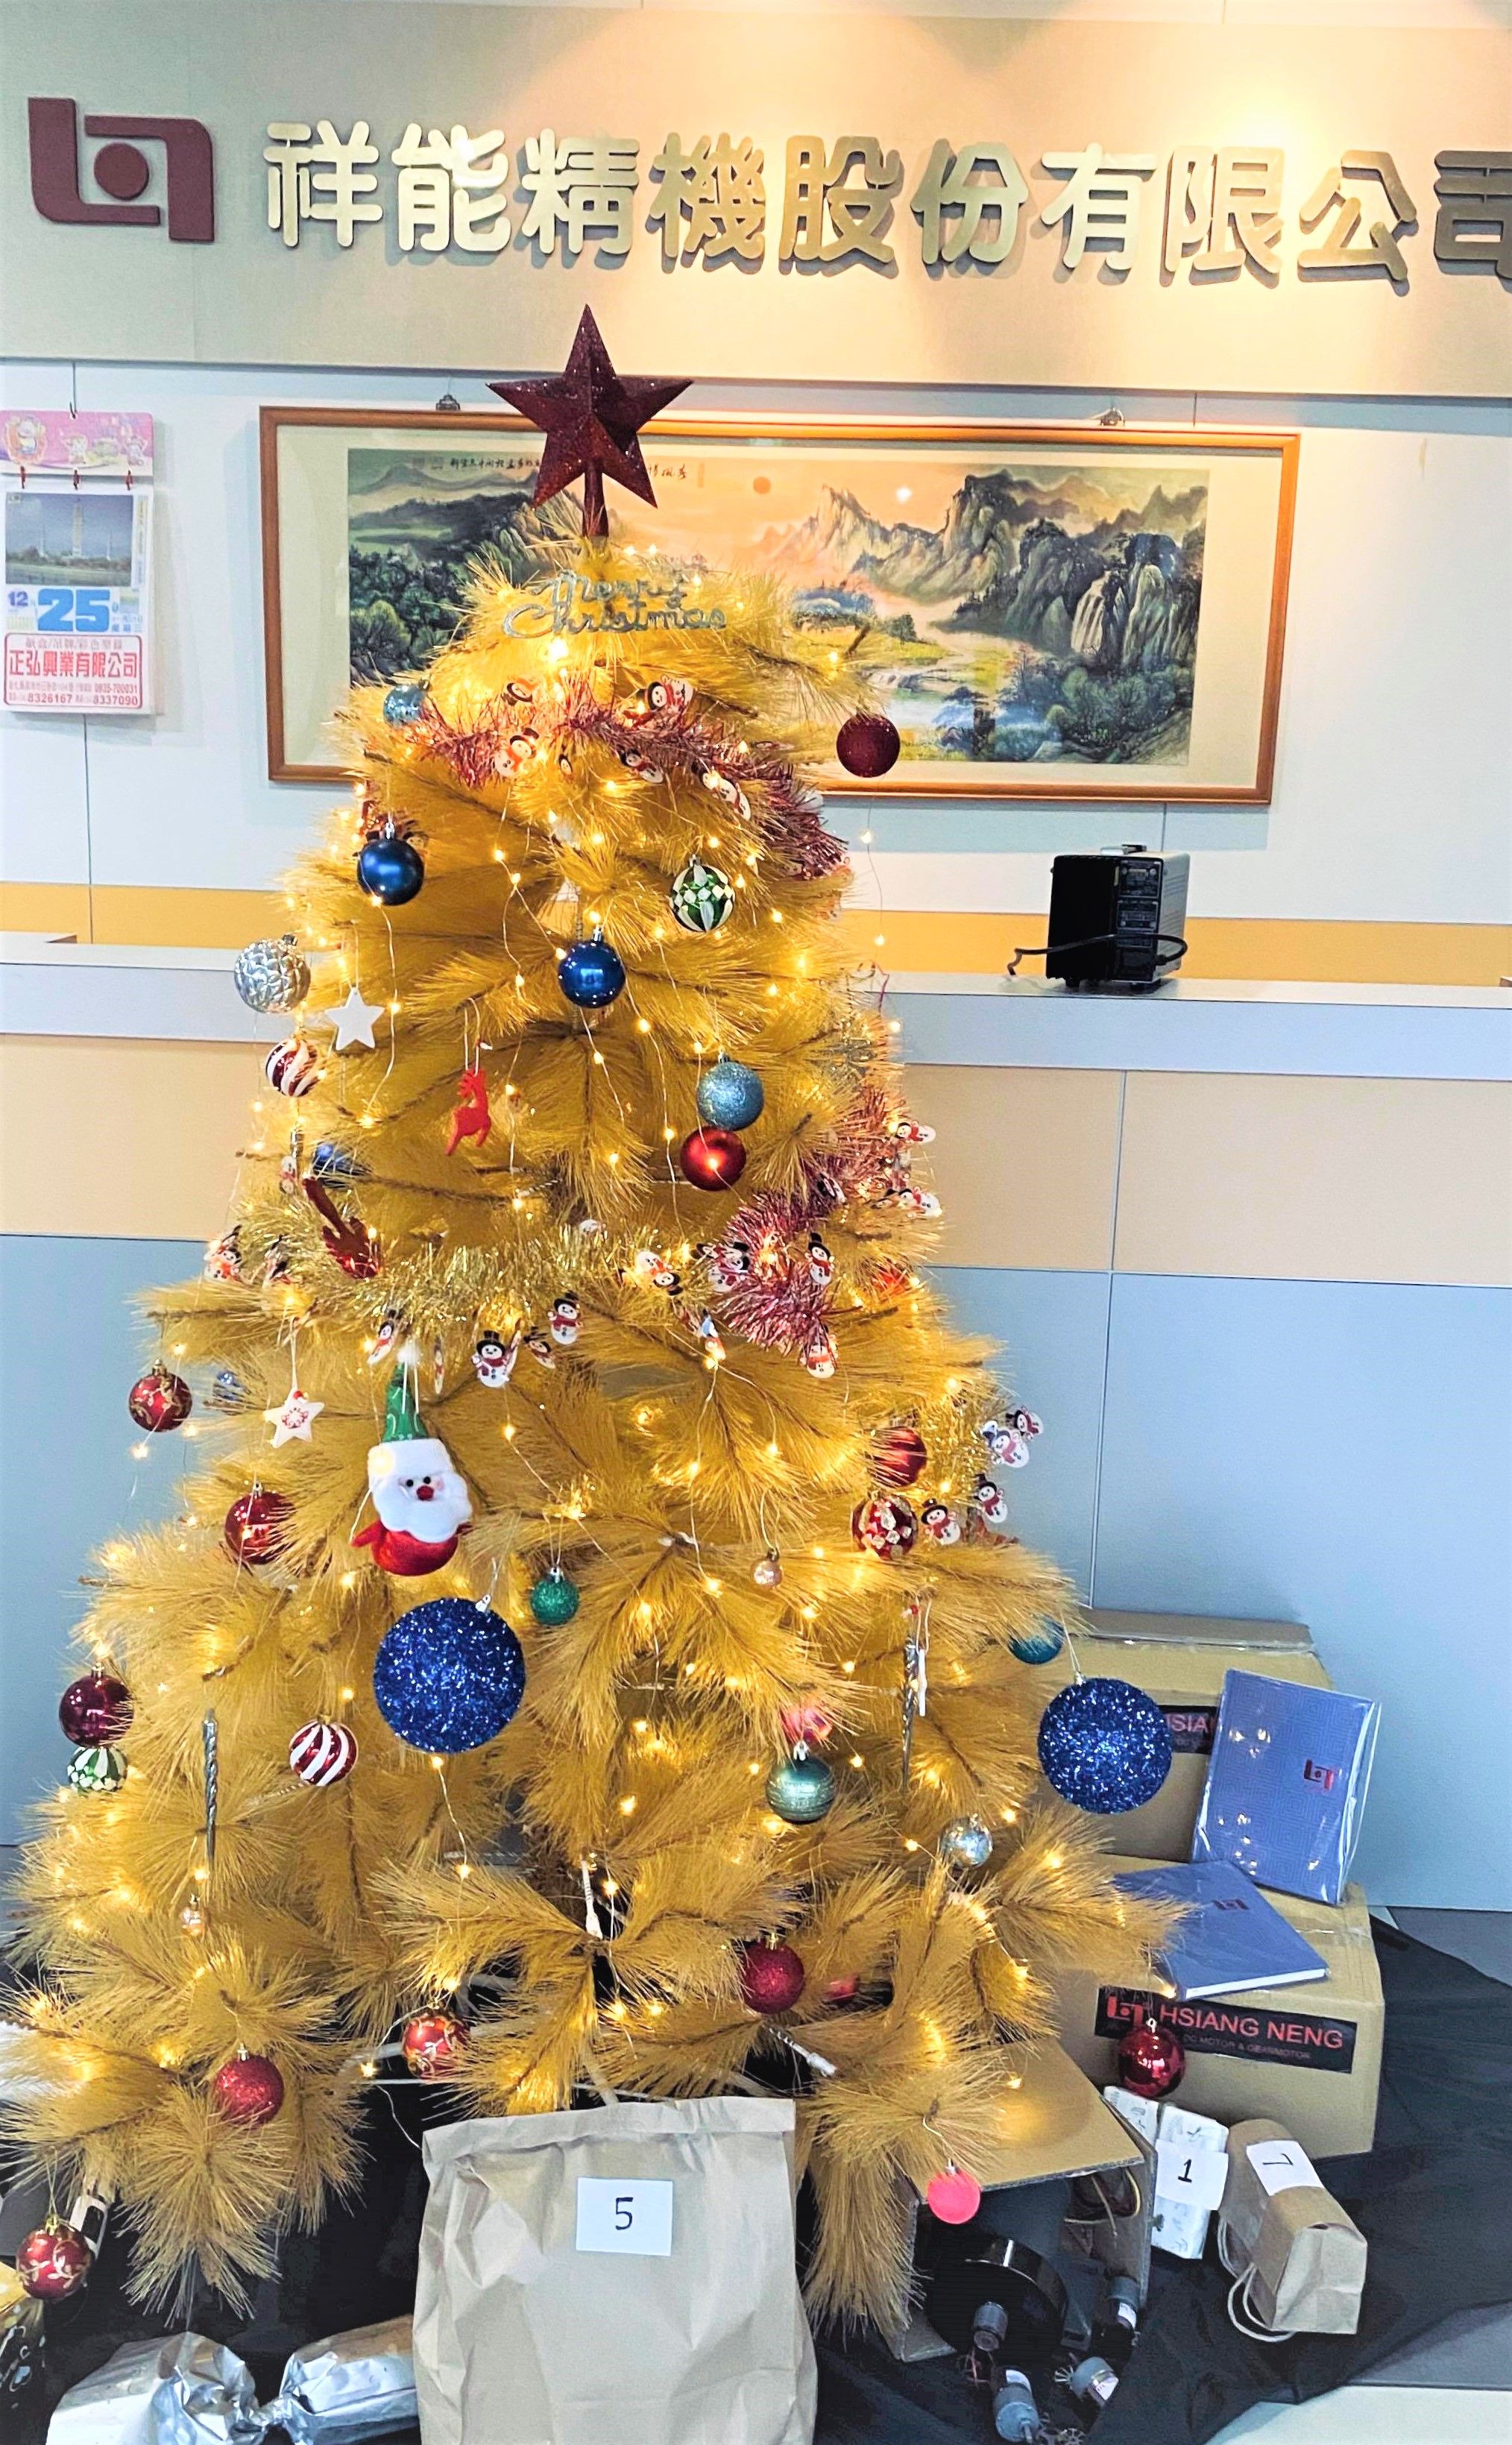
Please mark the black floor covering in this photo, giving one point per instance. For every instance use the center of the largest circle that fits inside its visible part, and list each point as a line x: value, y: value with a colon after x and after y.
x: 1434, y: 2200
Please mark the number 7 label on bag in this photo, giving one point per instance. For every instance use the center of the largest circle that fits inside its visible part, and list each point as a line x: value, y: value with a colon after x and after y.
x: 631, y: 2217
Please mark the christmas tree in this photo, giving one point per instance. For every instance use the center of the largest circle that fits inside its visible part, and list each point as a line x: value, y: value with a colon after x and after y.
x: 587, y: 1656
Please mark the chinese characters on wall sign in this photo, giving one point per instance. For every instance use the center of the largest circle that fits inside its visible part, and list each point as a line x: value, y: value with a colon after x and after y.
x: 1213, y: 210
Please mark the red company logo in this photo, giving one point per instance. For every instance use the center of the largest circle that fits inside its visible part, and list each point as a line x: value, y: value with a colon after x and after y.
x: 1326, y: 1775
x: 121, y: 170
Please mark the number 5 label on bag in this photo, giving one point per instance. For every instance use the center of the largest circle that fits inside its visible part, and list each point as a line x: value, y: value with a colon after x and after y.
x: 631, y: 2217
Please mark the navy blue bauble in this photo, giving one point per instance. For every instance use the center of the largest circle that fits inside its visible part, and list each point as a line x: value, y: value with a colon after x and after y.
x: 390, y: 869
x: 730, y: 1096
x: 405, y: 703
x: 592, y: 974
x: 1104, y: 1745
x: 448, y: 1676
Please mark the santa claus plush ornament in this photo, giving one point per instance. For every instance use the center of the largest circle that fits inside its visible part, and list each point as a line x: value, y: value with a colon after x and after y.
x: 422, y: 1501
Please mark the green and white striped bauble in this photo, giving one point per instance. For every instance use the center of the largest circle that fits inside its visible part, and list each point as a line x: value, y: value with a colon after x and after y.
x: 703, y: 897
x: 96, y: 1769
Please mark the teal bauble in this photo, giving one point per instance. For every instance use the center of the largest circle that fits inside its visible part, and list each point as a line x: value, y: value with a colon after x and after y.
x: 703, y: 897
x: 1040, y: 1645
x: 730, y: 1096
x: 554, y: 1599
x: 799, y: 1789
x: 96, y: 1769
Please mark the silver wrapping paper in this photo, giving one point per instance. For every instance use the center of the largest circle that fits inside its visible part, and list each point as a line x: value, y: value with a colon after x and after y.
x: 185, y: 2390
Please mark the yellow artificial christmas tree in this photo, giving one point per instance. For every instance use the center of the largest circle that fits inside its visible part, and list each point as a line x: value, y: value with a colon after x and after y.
x: 587, y: 1302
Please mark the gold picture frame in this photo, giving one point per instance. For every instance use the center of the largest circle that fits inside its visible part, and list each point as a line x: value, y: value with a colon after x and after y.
x: 1054, y: 611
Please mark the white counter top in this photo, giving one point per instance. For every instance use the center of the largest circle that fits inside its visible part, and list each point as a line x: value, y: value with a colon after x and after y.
x: 51, y: 987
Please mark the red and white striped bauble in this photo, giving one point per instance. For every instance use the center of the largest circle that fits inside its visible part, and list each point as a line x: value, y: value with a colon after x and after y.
x: 323, y: 1753
x: 293, y: 1066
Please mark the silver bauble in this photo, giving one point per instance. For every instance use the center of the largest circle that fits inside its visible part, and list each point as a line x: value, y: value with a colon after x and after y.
x: 966, y: 1842
x: 271, y: 974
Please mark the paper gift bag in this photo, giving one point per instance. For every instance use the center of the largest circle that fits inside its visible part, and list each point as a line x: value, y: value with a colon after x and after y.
x: 622, y: 2273
x: 1297, y: 2259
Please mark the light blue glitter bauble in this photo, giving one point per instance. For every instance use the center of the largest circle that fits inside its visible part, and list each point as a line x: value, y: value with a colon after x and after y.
x: 405, y: 703
x: 448, y: 1676
x: 800, y: 1789
x: 1104, y: 1745
x: 554, y: 1599
x: 730, y: 1096
x: 592, y: 974
x: 1040, y: 1646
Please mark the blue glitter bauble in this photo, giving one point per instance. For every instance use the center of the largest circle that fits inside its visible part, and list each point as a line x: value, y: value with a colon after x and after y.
x: 554, y: 1599
x: 592, y: 974
x: 390, y: 869
x: 1104, y: 1745
x: 448, y: 1676
x: 800, y: 1789
x: 1038, y: 1646
x: 405, y: 703
x: 730, y: 1096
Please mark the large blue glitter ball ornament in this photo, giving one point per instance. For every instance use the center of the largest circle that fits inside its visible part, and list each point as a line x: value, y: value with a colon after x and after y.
x: 730, y: 1096
x: 405, y: 703
x: 592, y: 974
x: 448, y: 1676
x: 1040, y: 1645
x: 389, y: 870
x: 1104, y: 1745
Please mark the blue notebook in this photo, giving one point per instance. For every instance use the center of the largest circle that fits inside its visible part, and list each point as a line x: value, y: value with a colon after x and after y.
x: 1286, y: 1784
x: 1231, y: 1939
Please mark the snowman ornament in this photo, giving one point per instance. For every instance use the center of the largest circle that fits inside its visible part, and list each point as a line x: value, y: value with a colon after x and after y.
x: 565, y: 1319
x: 421, y: 1500
x: 494, y: 1358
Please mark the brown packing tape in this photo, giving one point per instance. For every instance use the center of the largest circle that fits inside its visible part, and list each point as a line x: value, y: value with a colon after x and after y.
x: 1304, y: 2256
x: 1309, y: 2055
x: 1179, y: 1661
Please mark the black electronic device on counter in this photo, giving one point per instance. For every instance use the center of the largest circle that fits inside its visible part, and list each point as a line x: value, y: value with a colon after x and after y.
x: 1117, y: 917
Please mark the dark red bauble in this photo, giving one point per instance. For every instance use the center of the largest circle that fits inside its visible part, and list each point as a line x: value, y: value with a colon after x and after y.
x: 712, y: 1158
x: 432, y: 2042
x: 899, y: 1457
x: 53, y: 2261
x: 868, y: 745
x: 772, y: 1977
x: 159, y: 1401
x: 1150, y: 2060
x: 257, y: 1526
x: 249, y: 2090
x: 95, y: 1710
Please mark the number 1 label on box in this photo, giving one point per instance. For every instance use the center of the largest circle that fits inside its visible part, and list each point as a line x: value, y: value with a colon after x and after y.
x: 629, y: 2216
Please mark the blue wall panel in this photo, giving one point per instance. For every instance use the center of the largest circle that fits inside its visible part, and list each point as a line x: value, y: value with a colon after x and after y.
x: 1337, y: 1453
x: 70, y: 1347
x: 1053, y: 1330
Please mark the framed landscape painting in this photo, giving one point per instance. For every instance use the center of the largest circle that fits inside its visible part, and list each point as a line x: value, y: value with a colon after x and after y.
x: 1045, y: 611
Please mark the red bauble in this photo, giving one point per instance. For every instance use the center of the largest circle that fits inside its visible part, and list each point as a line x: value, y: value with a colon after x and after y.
x: 899, y: 1456
x: 1150, y: 2060
x: 712, y: 1158
x: 954, y: 2195
x: 868, y: 745
x: 432, y: 2042
x: 95, y: 1710
x: 772, y: 1977
x: 257, y: 1526
x: 887, y: 1525
x: 53, y: 2262
x: 248, y: 2090
x: 159, y: 1401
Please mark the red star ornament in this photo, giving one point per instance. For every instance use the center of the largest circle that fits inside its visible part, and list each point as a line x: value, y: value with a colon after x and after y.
x: 590, y: 417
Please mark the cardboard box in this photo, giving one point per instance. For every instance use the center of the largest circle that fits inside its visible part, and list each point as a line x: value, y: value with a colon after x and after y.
x: 1055, y: 2126
x: 1180, y: 1660
x: 1308, y: 2056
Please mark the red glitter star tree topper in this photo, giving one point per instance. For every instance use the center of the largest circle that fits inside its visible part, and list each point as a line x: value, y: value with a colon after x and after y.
x: 590, y: 417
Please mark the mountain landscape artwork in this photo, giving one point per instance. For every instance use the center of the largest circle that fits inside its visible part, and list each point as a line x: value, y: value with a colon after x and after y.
x: 1035, y: 608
